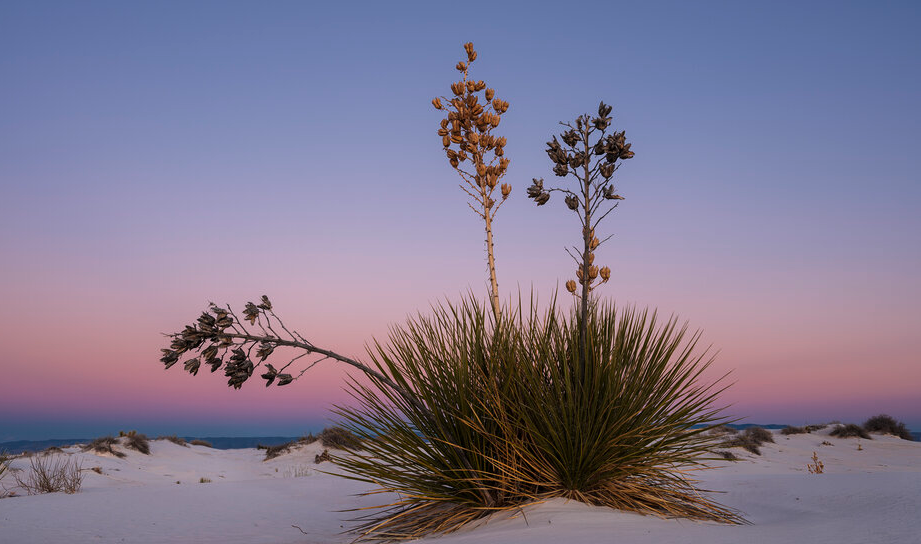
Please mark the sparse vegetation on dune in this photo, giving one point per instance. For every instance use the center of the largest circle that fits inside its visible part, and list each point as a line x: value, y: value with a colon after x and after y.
x: 174, y: 439
x: 339, y: 438
x: 137, y: 442
x: 790, y: 429
x: 751, y: 440
x: 271, y: 452
x: 197, y: 442
x: 884, y: 424
x: 105, y: 444
x: 851, y: 430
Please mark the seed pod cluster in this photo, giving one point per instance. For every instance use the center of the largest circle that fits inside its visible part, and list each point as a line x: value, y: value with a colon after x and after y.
x: 466, y: 132
x: 588, y: 152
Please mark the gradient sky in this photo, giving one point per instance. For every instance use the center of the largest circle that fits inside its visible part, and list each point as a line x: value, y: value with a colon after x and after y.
x: 154, y: 157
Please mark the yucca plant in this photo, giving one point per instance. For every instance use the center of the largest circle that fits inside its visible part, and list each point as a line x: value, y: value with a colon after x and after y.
x: 532, y: 427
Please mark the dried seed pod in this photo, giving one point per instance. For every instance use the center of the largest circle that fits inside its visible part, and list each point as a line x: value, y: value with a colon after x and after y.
x: 442, y: 132
x: 468, y: 47
x: 461, y: 66
x: 595, y: 243
x: 571, y: 286
x: 592, y: 272
x: 503, y: 164
x: 471, y: 86
x: 607, y: 170
x: 506, y: 190
x: 456, y: 138
x: 536, y: 188
x: 490, y: 93
x: 501, y: 141
x: 444, y: 123
x: 605, y: 274
x: 473, y: 137
x: 437, y: 103
x: 572, y: 202
x: 580, y: 274
x: 454, y: 163
x: 542, y: 199
x: 457, y: 88
x: 471, y: 56
x: 561, y: 170
x: 480, y: 85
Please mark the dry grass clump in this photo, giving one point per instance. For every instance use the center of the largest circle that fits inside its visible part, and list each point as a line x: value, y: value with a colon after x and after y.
x: 511, y: 413
x: 204, y: 443
x: 174, y: 439
x: 884, y: 424
x: 325, y: 456
x: 751, y: 440
x: 790, y: 429
x: 138, y: 442
x: 721, y: 430
x: 271, y: 452
x: 850, y: 430
x: 51, y: 474
x: 104, y: 444
x: 339, y: 438
x: 52, y: 450
x: 204, y: 480
x: 727, y: 455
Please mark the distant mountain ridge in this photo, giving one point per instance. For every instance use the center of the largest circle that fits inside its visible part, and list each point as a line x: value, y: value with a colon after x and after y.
x: 240, y: 442
x: 218, y: 442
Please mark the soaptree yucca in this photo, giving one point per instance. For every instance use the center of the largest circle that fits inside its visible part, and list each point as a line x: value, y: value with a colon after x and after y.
x: 623, y: 435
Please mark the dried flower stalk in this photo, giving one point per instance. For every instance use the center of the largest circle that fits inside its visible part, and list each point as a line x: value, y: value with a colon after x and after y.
x: 474, y: 152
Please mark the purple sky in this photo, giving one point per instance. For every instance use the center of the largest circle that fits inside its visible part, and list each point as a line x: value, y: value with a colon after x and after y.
x: 154, y: 157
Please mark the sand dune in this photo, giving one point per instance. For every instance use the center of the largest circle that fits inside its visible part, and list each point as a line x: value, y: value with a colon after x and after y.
x: 872, y: 494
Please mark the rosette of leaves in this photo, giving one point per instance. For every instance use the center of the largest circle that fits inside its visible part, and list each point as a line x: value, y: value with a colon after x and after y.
x: 472, y: 113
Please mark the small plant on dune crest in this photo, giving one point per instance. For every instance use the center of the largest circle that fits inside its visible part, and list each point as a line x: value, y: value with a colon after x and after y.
x: 204, y: 443
x: 884, y: 424
x: 466, y: 134
x: 137, y: 442
x: 789, y: 429
x: 105, y: 444
x: 271, y: 452
x: 322, y: 457
x: 203, y: 480
x: 850, y: 430
x: 816, y: 467
x: 751, y: 440
x: 174, y: 439
x: 339, y: 438
x: 51, y: 474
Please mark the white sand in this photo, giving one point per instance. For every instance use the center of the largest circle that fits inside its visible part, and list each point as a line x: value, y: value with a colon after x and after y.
x: 868, y: 496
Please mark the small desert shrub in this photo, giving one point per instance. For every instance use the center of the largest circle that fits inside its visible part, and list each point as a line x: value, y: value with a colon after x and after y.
x: 512, y: 412
x: 204, y: 480
x: 308, y: 439
x: 816, y: 467
x: 727, y: 455
x: 751, y: 440
x: 884, y: 424
x: 271, y: 452
x: 850, y: 431
x: 138, y: 442
x: 339, y: 438
x: 97, y: 470
x: 789, y: 429
x: 104, y: 444
x: 51, y: 474
x: 52, y: 450
x: 723, y: 430
x: 818, y: 427
x: 204, y: 443
x: 122, y: 434
x: 174, y: 439
x: 325, y: 456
